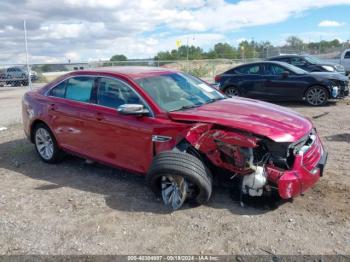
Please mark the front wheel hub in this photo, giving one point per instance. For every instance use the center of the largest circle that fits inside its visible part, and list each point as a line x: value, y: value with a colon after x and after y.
x: 174, y: 190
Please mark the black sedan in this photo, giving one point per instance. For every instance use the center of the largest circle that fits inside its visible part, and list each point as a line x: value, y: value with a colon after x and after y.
x: 310, y: 63
x: 279, y: 81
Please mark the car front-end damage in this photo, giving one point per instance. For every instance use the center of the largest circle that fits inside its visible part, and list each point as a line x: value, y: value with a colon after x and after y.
x: 262, y: 164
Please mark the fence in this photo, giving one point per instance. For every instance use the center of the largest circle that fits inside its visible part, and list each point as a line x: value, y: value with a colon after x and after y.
x: 17, y: 75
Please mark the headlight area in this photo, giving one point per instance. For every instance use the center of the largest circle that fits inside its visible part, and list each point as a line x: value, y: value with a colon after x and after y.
x: 338, y: 89
x: 328, y: 68
x: 335, y: 88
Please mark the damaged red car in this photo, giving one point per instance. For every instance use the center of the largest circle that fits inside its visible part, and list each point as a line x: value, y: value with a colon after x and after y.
x: 176, y: 130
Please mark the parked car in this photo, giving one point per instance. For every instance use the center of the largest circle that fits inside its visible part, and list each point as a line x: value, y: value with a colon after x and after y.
x: 310, y: 63
x: 344, y: 60
x: 278, y: 81
x: 176, y: 130
x: 2, y: 77
x: 16, y: 76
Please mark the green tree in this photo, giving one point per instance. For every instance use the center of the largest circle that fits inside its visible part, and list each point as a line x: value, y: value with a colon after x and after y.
x: 223, y: 50
x: 118, y: 58
x: 294, y: 41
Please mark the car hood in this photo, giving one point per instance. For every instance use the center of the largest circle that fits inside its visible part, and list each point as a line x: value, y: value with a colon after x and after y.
x: 265, y: 119
x: 329, y: 75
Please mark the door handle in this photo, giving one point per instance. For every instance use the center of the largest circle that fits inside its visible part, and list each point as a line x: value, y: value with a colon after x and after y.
x: 99, y: 116
x: 52, y: 107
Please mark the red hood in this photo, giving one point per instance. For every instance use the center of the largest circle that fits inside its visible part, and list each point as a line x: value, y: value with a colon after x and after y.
x: 275, y: 122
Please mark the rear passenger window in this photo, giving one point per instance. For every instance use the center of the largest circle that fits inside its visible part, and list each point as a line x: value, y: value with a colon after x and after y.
x: 79, y: 88
x: 114, y: 93
x: 59, y: 90
x: 347, y: 55
x: 250, y: 70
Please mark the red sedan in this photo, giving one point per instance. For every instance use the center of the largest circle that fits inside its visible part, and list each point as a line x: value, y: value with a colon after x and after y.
x: 177, y: 130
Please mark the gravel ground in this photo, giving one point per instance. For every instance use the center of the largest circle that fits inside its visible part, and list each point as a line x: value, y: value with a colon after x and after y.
x: 78, y: 208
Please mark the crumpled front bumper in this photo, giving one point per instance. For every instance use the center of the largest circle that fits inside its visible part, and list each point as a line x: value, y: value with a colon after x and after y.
x: 301, y: 176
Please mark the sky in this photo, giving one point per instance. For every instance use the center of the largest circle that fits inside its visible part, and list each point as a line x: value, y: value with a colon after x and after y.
x: 92, y: 30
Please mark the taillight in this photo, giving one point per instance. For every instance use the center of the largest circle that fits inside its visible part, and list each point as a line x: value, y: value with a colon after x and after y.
x: 217, y: 78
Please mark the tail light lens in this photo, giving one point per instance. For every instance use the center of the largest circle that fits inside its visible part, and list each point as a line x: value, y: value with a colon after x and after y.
x: 217, y: 78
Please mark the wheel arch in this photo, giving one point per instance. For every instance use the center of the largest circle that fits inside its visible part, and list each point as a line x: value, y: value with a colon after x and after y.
x: 313, y: 85
x: 230, y: 85
x: 34, y: 125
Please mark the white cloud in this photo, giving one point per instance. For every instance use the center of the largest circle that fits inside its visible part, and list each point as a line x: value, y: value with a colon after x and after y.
x: 139, y: 28
x: 329, y: 23
x: 225, y: 16
x: 62, y: 30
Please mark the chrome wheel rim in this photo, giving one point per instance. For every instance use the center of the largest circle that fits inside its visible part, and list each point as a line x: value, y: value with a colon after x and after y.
x: 174, y: 191
x: 231, y: 92
x: 44, y: 143
x: 316, y: 96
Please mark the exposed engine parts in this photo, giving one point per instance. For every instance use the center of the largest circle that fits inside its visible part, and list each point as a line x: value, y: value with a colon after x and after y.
x: 254, y: 183
x: 259, y: 161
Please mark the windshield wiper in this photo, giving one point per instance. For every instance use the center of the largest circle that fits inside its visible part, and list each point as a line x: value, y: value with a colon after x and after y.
x: 212, y: 100
x: 185, y: 107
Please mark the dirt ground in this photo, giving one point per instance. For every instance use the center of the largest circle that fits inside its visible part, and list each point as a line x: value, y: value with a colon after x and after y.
x: 78, y: 208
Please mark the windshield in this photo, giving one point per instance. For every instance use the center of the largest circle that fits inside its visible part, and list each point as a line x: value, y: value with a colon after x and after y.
x: 295, y: 69
x: 177, y: 91
x: 312, y: 59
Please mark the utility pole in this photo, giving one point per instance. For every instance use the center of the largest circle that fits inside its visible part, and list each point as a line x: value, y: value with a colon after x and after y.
x: 187, y: 56
x: 27, y: 60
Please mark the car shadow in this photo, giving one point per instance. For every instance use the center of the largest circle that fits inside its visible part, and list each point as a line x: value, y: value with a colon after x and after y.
x: 122, y: 190
x: 297, y: 104
x: 339, y: 138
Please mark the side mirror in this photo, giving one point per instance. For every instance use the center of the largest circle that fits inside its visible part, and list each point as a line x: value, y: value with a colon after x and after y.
x: 133, y: 109
x: 285, y: 74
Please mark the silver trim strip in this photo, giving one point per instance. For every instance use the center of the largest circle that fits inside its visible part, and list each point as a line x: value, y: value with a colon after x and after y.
x: 161, y: 139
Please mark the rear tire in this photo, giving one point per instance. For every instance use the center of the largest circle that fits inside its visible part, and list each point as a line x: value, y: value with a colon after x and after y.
x: 231, y: 91
x: 316, y: 96
x: 46, y: 144
x: 183, y: 172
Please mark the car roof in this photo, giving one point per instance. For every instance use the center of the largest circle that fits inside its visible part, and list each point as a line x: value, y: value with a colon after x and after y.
x: 285, y: 56
x: 134, y: 72
x: 261, y: 62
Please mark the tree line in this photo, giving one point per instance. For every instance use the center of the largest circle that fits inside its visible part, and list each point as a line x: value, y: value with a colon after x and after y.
x: 245, y: 49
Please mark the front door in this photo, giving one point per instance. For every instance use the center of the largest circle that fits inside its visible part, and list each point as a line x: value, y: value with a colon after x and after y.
x: 282, y: 86
x: 116, y: 139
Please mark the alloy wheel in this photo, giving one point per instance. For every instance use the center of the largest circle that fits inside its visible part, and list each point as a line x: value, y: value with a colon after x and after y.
x: 316, y: 96
x: 44, y: 143
x: 231, y: 91
x: 174, y: 190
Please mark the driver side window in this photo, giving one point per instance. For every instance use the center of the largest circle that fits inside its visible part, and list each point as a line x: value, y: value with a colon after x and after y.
x: 297, y: 61
x: 114, y: 93
x: 275, y: 70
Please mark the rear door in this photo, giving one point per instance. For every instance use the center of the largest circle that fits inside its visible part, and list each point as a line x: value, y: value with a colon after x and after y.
x: 279, y: 86
x: 250, y: 80
x: 68, y: 103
